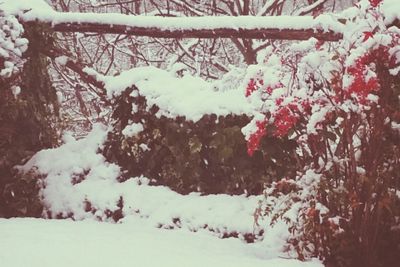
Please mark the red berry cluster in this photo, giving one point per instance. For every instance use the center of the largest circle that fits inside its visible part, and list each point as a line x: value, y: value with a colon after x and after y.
x: 375, y: 3
x: 287, y: 116
x: 253, y: 85
x: 255, y: 138
x: 361, y: 85
x: 270, y: 88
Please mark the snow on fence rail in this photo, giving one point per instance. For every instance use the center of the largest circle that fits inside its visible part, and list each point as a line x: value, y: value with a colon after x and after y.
x: 279, y: 27
x: 328, y: 27
x: 217, y: 32
x: 324, y: 27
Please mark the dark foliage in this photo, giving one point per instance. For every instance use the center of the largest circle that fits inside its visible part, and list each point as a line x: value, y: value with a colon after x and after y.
x: 26, y: 126
x: 208, y: 156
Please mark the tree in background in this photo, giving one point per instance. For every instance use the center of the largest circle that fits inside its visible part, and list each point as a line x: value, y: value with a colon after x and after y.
x: 209, y: 58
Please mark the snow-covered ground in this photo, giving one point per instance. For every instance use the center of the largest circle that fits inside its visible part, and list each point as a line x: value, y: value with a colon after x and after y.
x: 158, y: 227
x: 58, y: 243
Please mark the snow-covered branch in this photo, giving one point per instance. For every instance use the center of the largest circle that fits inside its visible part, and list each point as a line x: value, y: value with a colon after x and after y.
x: 73, y: 65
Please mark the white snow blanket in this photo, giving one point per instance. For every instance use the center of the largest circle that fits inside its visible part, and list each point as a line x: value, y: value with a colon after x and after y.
x: 64, y: 243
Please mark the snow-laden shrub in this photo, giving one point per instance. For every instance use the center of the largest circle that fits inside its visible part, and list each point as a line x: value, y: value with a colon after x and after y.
x: 185, y: 133
x: 207, y: 156
x: 340, y: 104
x: 80, y: 184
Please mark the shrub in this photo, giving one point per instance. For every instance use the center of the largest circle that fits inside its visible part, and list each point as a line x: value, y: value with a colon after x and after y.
x: 208, y: 156
x: 20, y: 195
x: 341, y: 106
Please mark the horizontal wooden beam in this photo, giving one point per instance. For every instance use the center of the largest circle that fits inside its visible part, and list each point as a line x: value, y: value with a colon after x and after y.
x: 281, y: 34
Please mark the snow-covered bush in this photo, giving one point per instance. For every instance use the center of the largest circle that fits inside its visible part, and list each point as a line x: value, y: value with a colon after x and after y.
x: 208, y: 155
x: 340, y: 103
x: 80, y: 184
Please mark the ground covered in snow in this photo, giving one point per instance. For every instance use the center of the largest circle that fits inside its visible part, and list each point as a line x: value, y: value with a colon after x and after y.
x: 58, y: 243
x: 156, y: 226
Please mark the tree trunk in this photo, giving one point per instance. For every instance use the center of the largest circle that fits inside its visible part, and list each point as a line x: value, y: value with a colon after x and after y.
x: 27, y: 124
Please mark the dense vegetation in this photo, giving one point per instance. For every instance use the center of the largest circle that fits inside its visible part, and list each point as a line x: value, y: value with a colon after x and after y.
x: 323, y: 148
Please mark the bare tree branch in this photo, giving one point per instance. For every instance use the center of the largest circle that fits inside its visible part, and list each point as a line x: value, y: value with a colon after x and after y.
x: 53, y: 53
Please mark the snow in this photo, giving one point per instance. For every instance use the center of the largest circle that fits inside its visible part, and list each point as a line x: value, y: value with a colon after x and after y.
x: 49, y: 243
x: 61, y: 60
x: 141, y: 235
x: 16, y: 90
x: 12, y: 45
x: 188, y: 96
x: 189, y: 23
x: 309, y: 8
x: 81, y: 184
x: 318, y: 115
x: 391, y: 9
x: 39, y: 10
x: 132, y: 129
x: 63, y: 192
x: 79, y: 175
x: 395, y: 126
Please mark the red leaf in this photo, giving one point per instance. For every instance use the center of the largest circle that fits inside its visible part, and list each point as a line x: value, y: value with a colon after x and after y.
x: 375, y: 3
x: 368, y: 35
